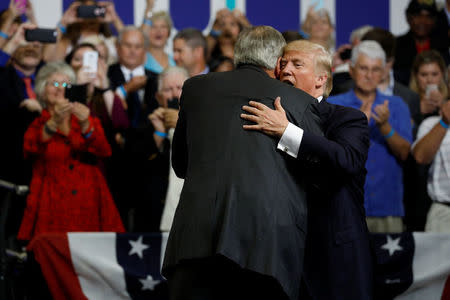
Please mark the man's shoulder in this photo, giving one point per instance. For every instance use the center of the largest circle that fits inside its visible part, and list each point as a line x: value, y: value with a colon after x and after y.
x: 345, y: 114
x: 341, y: 99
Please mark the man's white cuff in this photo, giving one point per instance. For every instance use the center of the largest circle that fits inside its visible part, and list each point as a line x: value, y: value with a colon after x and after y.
x: 290, y: 140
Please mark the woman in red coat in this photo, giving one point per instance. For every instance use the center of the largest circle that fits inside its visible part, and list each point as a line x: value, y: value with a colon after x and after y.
x: 67, y: 190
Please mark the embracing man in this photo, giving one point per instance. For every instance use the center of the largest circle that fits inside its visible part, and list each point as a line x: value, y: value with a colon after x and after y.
x: 240, y: 226
x: 338, y: 260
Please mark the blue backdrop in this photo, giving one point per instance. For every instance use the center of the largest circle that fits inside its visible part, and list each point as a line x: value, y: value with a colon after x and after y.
x: 283, y: 15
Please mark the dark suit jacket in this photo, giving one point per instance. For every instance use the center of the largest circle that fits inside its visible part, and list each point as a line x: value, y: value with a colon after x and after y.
x: 239, y: 198
x: 14, y: 121
x: 117, y: 78
x: 138, y: 172
x: 338, y: 260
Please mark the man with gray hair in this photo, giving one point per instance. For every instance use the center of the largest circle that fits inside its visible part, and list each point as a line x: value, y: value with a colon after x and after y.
x: 239, y: 229
x: 130, y: 173
x: 390, y: 138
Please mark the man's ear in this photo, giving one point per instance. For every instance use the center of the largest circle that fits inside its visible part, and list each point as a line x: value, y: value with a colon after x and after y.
x: 321, y: 80
x: 277, y: 70
x: 198, y: 52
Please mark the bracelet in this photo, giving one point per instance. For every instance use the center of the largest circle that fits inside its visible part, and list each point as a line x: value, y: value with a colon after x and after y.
x: 4, y: 35
x: 443, y: 124
x: 124, y: 92
x: 215, y: 33
x: 48, y: 130
x: 161, y: 134
x: 88, y: 135
x: 390, y: 134
x: 62, y: 28
x: 147, y: 22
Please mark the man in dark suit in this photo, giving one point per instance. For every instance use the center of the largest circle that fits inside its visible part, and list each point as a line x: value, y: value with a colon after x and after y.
x: 18, y: 108
x: 239, y: 228
x: 338, y: 260
x: 137, y: 182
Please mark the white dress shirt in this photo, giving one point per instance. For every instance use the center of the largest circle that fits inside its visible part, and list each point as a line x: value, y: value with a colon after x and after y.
x: 292, y: 137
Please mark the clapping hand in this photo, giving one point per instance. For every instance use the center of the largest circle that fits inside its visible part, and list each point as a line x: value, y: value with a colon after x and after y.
x: 381, y: 113
x: 81, y: 112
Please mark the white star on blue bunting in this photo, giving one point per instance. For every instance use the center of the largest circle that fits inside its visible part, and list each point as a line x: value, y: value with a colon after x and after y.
x: 137, y: 247
x: 392, y: 245
x: 148, y: 283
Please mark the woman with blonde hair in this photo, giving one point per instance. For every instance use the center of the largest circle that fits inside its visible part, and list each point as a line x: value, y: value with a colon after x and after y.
x: 157, y: 27
x: 319, y: 28
x: 428, y: 79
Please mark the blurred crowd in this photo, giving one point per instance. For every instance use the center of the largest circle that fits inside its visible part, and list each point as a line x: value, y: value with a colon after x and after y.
x: 87, y: 120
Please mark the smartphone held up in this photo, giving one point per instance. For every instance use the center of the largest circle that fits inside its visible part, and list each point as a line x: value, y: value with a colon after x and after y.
x: 43, y: 35
x: 91, y: 11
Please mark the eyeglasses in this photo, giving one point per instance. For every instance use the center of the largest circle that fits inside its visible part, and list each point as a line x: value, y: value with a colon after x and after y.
x: 60, y: 84
x: 365, y: 70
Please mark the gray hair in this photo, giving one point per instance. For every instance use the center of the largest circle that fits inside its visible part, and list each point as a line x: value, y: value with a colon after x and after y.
x: 260, y: 46
x: 359, y: 32
x: 169, y: 71
x: 130, y: 28
x: 370, y: 49
x: 48, y: 70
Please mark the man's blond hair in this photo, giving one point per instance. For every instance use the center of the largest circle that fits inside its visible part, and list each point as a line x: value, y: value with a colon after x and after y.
x: 322, y: 60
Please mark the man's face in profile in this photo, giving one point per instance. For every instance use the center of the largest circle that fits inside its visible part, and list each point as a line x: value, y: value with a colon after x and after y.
x: 367, y: 73
x: 183, y: 54
x: 297, y: 68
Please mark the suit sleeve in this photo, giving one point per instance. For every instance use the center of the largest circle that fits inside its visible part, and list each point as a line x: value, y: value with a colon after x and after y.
x: 179, y: 143
x: 311, y: 121
x: 345, y: 148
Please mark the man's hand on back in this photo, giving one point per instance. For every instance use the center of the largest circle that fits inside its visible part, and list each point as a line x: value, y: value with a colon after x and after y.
x: 269, y: 121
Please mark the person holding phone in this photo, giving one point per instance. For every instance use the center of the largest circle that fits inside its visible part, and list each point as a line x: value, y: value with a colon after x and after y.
x: 10, y: 18
x: 428, y: 80
x: 73, y: 28
x: 67, y: 190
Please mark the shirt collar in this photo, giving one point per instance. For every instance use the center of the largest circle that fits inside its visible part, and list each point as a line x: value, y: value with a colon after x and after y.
x: 139, y: 71
x: 319, y: 98
x: 22, y: 76
x: 390, y: 88
x: 205, y: 71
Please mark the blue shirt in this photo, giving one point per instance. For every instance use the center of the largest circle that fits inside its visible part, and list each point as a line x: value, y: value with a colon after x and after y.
x: 152, y: 65
x: 4, y: 57
x: 383, y: 189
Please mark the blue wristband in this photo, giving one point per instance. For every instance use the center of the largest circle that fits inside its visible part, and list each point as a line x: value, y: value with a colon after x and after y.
x: 161, y: 134
x: 122, y: 89
x: 88, y: 135
x: 443, y: 124
x: 62, y: 28
x: 147, y: 22
x: 4, y: 35
x: 215, y: 33
x: 390, y: 134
